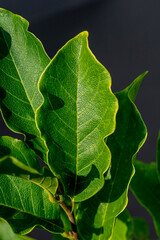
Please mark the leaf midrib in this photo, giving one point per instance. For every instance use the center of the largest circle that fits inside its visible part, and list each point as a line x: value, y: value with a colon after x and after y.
x: 78, y: 61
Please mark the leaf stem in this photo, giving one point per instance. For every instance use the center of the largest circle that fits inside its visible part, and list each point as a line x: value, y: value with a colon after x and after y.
x: 71, y: 219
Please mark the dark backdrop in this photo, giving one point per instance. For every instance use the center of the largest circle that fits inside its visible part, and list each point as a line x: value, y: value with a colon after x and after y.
x: 124, y: 36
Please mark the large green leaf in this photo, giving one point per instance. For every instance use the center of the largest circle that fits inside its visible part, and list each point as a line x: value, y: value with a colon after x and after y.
x: 78, y: 112
x: 22, y: 60
x: 146, y: 187
x: 101, y: 210
x: 6, y: 232
x: 18, y: 160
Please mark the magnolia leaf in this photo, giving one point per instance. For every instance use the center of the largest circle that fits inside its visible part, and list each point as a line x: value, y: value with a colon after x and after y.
x: 18, y: 160
x: 130, y: 134
x: 22, y: 61
x: 146, y: 188
x: 6, y: 232
x: 77, y: 113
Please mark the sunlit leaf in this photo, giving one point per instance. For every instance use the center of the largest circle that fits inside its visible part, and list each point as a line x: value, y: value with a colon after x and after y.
x: 77, y: 113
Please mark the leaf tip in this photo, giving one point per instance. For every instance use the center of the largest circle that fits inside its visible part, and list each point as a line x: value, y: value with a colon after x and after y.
x: 133, y: 88
x: 83, y: 35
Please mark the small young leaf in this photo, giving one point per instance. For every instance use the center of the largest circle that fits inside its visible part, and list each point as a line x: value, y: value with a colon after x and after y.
x: 78, y: 112
x: 22, y: 60
x: 146, y: 187
x: 6, y: 232
x: 124, y: 143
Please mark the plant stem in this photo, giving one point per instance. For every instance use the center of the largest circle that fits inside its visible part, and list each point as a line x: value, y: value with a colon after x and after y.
x: 71, y: 219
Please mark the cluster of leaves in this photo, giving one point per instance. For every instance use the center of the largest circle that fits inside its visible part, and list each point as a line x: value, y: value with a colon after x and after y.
x: 87, y: 137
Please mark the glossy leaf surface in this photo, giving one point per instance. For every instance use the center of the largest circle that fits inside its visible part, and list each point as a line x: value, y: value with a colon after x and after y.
x: 146, y: 187
x: 22, y: 60
x: 78, y: 112
x: 130, y: 134
x: 6, y: 232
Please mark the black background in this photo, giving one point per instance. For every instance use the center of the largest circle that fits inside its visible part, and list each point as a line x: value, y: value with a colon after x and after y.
x: 124, y: 35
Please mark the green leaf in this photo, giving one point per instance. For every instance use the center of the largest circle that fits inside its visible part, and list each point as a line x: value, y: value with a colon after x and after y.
x: 128, y: 228
x: 6, y: 232
x: 18, y: 160
x: 25, y: 196
x: 22, y: 61
x: 130, y: 134
x: 146, y: 187
x: 77, y: 113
